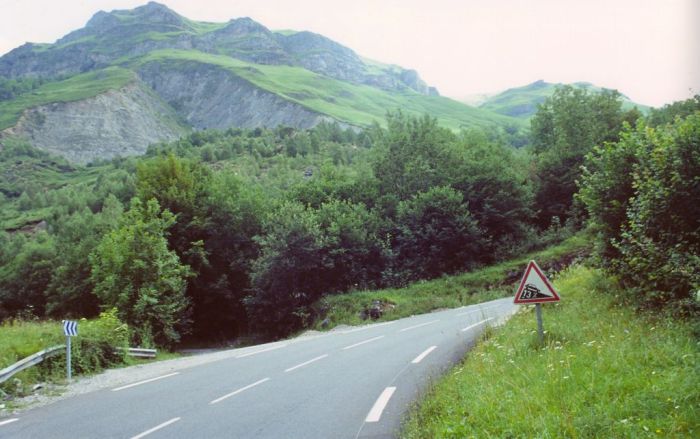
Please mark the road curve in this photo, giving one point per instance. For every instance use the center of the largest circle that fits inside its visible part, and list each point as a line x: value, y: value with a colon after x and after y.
x: 355, y: 383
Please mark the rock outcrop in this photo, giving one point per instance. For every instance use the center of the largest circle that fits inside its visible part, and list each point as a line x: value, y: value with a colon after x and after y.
x: 116, y: 123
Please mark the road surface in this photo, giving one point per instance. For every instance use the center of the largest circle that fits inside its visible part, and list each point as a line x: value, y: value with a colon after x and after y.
x: 354, y: 383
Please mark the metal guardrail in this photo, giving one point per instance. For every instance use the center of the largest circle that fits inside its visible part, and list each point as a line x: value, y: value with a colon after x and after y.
x: 30, y: 361
x: 139, y: 352
x: 34, y: 359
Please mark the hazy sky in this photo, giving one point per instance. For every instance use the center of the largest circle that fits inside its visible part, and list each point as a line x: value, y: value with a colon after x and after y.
x: 647, y: 49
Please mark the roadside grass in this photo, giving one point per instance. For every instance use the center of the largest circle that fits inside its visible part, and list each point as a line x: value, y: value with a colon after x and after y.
x: 603, y: 371
x: 93, y: 349
x: 478, y: 286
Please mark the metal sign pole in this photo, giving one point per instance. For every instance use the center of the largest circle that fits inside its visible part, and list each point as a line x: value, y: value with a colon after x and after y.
x: 68, y: 372
x: 540, y: 326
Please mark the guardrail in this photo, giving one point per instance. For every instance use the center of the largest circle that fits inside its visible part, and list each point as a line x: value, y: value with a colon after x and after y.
x: 29, y: 361
x: 139, y: 352
x: 34, y: 359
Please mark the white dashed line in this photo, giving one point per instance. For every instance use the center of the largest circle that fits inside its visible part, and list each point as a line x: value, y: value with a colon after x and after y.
x: 420, y: 358
x: 156, y: 428
x: 376, y: 413
x: 364, y: 328
x: 236, y: 392
x: 476, y: 324
x: 261, y: 351
x: 306, y: 363
x: 362, y: 342
x: 144, y: 382
x: 476, y: 310
x: 9, y: 421
x: 418, y: 326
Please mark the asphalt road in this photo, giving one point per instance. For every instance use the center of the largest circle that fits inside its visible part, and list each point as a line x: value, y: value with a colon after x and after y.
x: 356, y: 383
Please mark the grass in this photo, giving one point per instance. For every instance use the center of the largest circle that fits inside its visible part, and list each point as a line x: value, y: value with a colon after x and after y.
x: 76, y: 88
x: 521, y: 102
x: 604, y: 371
x: 93, y: 350
x: 352, y: 103
x: 488, y: 283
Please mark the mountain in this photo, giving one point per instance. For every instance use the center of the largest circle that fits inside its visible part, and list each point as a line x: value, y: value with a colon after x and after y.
x: 522, y: 102
x: 133, y: 77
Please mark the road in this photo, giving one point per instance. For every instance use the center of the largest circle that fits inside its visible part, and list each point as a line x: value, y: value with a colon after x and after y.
x: 354, y: 383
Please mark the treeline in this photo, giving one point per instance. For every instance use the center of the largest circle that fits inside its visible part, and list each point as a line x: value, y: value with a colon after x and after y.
x: 226, y: 233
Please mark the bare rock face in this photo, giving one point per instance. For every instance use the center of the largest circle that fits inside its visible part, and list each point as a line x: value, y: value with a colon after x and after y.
x: 207, y: 96
x: 115, y: 123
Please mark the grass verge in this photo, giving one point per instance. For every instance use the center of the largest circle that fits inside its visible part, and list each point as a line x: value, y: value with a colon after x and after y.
x: 478, y: 286
x: 93, y: 350
x: 604, y: 371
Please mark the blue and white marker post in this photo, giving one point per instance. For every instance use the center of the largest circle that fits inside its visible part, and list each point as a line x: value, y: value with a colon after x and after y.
x: 70, y: 329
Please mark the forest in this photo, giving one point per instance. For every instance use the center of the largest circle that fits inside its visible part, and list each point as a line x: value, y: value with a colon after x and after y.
x: 227, y: 233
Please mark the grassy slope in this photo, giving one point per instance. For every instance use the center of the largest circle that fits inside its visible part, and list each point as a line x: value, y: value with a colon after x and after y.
x: 521, y: 102
x: 604, y: 372
x: 449, y: 292
x: 78, y: 87
x: 356, y: 104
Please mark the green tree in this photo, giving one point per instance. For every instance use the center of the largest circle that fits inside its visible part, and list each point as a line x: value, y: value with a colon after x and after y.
x: 70, y: 292
x: 135, y: 272
x: 565, y: 128
x: 437, y: 235
x: 641, y: 193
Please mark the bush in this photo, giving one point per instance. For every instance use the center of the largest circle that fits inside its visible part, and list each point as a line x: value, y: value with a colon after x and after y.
x: 648, y: 213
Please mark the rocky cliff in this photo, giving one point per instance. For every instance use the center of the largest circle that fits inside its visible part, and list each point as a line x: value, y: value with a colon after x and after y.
x: 116, y: 123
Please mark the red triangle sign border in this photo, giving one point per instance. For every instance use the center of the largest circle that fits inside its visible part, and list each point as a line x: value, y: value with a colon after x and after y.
x: 533, y: 266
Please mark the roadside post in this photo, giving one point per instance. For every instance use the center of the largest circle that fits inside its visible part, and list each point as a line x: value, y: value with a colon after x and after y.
x: 70, y: 329
x: 535, y: 288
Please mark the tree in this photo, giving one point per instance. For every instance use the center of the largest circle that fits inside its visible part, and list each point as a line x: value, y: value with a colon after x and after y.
x: 413, y: 155
x: 70, y: 292
x: 134, y: 271
x: 565, y: 128
x: 437, y: 235
x: 306, y: 254
x: 641, y: 194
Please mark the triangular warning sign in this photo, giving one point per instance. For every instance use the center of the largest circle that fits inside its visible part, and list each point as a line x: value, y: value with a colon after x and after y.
x: 535, y: 288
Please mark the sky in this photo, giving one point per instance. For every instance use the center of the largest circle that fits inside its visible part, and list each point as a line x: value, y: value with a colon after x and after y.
x: 649, y: 50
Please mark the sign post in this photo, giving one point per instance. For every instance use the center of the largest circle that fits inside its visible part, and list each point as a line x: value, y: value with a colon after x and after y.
x: 70, y: 329
x: 535, y: 288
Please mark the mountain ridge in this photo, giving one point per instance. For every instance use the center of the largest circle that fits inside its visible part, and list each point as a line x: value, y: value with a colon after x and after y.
x: 202, y: 75
x: 521, y: 102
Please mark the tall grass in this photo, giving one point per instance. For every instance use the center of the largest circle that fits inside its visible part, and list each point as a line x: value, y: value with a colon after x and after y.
x: 603, y: 372
x: 93, y: 349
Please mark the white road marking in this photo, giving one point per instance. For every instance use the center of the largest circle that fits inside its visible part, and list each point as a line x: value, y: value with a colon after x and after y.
x: 376, y: 413
x: 242, y: 389
x: 476, y: 324
x: 8, y: 421
x: 156, y: 428
x: 364, y: 328
x: 418, y: 326
x: 261, y: 351
x: 144, y: 382
x: 306, y: 363
x: 420, y: 358
x: 363, y: 342
x: 476, y: 310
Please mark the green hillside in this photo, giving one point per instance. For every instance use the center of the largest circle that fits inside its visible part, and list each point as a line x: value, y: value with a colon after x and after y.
x: 352, y: 103
x: 522, y: 102
x: 72, y: 89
